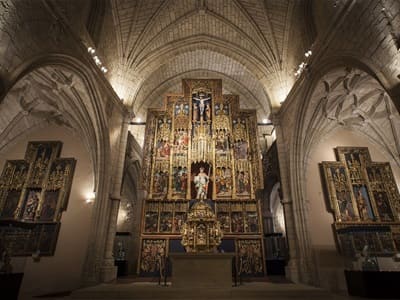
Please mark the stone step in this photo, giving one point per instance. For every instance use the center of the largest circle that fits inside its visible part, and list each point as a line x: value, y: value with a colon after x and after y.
x: 245, y: 291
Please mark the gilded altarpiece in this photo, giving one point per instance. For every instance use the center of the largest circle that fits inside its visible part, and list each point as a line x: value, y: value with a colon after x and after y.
x: 365, y: 202
x: 202, y: 133
x: 33, y: 194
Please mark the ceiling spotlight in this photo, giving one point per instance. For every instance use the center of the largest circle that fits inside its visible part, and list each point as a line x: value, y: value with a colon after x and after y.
x: 91, y: 50
x: 265, y: 121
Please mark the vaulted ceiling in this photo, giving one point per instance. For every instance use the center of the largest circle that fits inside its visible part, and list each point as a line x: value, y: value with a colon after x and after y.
x: 254, y: 46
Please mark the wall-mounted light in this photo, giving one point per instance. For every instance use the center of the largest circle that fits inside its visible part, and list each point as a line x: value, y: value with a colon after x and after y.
x: 36, y: 256
x: 97, y: 60
x: 90, y: 197
x: 91, y: 50
x: 396, y: 257
x: 303, y: 65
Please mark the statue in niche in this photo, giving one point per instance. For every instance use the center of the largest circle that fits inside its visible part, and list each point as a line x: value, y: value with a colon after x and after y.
x: 222, y: 141
x: 201, y: 181
x: 181, y: 109
x: 221, y: 109
x: 202, y: 104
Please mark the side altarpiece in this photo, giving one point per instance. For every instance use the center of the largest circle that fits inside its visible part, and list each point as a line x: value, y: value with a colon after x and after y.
x: 201, y: 133
x: 365, y: 201
x: 34, y: 192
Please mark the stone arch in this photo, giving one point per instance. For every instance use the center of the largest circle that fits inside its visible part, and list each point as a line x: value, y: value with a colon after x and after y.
x: 90, y: 121
x: 91, y: 116
x: 308, y: 121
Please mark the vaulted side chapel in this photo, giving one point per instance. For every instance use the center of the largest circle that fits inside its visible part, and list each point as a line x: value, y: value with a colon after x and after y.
x: 235, y: 148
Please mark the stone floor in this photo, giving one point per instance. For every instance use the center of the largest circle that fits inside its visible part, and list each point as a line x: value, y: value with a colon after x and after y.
x: 151, y: 290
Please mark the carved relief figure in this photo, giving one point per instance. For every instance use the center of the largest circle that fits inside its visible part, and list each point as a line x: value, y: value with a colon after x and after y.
x: 241, y: 149
x: 32, y: 201
x: 180, y: 180
x: 363, y: 203
x: 383, y: 206
x: 179, y: 218
x: 339, y: 177
x: 250, y: 257
x: 153, y: 251
x: 166, y: 222
x: 181, y: 140
x: 49, y: 205
x: 223, y: 181
x: 160, y: 184
x: 345, y: 205
x: 237, y: 222
x: 11, y: 204
x: 251, y: 221
x: 151, y: 220
x: 163, y: 149
x: 243, y: 182
x: 225, y: 220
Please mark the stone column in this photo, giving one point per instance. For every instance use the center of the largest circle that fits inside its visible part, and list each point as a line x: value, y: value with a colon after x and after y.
x: 300, y: 267
x: 108, y: 270
x: 292, y: 269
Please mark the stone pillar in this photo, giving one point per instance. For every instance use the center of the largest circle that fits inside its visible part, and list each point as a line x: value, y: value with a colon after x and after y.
x: 268, y: 222
x: 137, y: 217
x: 300, y: 266
x: 292, y: 269
x: 108, y: 270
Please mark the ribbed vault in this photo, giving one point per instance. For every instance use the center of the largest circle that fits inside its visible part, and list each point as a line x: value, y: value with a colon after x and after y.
x: 253, y: 45
x: 236, y: 77
x: 47, y: 95
x: 355, y: 100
